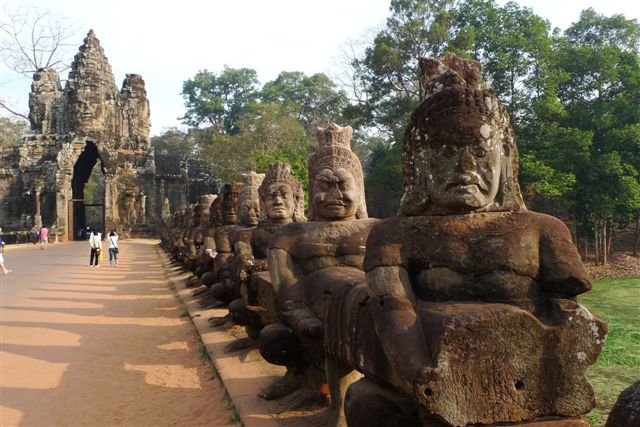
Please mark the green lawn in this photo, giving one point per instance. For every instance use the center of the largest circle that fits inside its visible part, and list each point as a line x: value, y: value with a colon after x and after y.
x: 617, y: 302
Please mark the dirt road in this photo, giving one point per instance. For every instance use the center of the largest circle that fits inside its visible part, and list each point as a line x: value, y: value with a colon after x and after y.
x: 104, y: 346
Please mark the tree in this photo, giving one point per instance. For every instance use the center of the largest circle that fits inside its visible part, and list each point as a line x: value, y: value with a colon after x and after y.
x: 314, y: 101
x: 176, y: 142
x: 266, y: 135
x: 219, y: 101
x: 11, y: 131
x: 599, y: 91
x: 515, y: 49
x: 31, y: 39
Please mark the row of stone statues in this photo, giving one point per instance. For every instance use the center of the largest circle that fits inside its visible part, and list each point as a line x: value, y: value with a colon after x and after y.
x: 459, y: 311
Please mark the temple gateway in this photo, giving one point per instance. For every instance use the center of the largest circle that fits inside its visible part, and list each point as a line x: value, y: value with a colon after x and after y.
x: 87, y: 124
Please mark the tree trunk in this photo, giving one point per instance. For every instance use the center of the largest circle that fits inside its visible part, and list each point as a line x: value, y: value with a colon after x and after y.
x: 596, y: 242
x: 586, y: 248
x: 609, y: 238
x: 605, y: 240
x: 637, y: 235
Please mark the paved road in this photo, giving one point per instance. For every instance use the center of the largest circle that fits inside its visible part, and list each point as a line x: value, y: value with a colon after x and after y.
x: 105, y: 346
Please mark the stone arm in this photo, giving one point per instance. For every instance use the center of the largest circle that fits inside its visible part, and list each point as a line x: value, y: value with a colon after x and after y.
x: 398, y: 328
x: 287, y: 279
x: 243, y: 259
x: 562, y: 273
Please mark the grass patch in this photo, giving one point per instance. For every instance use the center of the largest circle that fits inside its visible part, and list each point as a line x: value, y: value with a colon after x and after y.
x: 234, y: 417
x: 184, y: 314
x: 615, y: 301
x: 204, y: 353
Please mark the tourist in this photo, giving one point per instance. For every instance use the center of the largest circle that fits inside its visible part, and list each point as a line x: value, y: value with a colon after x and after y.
x: 95, y: 241
x: 4, y: 269
x: 34, y: 233
x: 113, y: 248
x: 44, y: 237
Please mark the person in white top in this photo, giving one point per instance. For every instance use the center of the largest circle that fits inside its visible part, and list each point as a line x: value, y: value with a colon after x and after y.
x: 2, y: 267
x: 95, y: 241
x: 113, y: 248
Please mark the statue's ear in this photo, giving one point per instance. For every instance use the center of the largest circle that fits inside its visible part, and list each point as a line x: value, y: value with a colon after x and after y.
x: 506, y: 150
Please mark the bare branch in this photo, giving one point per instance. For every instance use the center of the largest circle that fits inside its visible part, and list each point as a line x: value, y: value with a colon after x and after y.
x: 15, y: 113
x: 33, y: 39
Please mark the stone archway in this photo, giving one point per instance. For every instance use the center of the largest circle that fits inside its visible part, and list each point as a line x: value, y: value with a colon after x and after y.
x: 84, y: 169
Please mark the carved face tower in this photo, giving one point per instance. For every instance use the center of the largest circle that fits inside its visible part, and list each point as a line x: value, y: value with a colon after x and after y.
x: 335, y: 177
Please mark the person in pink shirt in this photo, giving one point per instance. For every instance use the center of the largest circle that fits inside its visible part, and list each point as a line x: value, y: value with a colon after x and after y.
x: 44, y: 237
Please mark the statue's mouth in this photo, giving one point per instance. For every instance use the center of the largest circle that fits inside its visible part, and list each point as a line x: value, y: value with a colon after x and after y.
x: 335, y: 205
x: 466, y: 184
x: 467, y: 189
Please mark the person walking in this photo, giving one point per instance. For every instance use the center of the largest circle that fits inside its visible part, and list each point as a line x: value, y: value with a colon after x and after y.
x: 95, y: 241
x: 44, y: 237
x: 113, y: 248
x: 2, y: 267
x: 34, y: 234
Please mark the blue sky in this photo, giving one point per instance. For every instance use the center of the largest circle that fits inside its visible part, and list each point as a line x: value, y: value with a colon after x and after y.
x: 169, y: 42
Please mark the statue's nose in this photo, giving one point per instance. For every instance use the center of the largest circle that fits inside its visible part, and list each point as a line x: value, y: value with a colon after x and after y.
x: 466, y: 161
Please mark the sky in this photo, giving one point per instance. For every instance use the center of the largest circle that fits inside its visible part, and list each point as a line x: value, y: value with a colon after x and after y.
x: 169, y: 42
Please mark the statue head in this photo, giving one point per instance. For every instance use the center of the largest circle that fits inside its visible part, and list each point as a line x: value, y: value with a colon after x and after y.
x: 459, y: 153
x: 248, y: 199
x: 215, y: 212
x: 204, y: 209
x: 281, y: 196
x: 336, y: 182
x: 229, y: 204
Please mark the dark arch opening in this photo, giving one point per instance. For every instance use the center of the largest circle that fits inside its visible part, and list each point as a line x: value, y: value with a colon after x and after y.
x: 82, y: 172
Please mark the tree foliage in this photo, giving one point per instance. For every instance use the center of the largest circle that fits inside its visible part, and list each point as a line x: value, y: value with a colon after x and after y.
x: 219, y: 101
x: 312, y: 100
x: 385, y: 82
x: 11, y: 131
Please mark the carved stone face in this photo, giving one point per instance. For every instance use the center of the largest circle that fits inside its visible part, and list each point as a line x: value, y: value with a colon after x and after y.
x: 249, y: 212
x: 279, y: 203
x: 335, y: 195
x: 205, y: 216
x: 229, y: 210
x: 464, y: 176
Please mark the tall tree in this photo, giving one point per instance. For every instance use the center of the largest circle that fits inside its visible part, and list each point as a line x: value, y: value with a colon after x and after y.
x: 177, y: 142
x: 515, y: 49
x: 313, y: 100
x: 385, y: 82
x: 33, y: 38
x: 219, y: 101
x: 600, y: 61
x: 265, y: 135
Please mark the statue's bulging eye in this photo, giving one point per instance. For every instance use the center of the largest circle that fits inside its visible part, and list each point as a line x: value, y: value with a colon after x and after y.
x: 479, y: 152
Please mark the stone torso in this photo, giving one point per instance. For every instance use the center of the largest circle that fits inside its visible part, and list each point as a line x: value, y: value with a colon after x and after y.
x: 502, y: 257
x: 318, y: 245
x: 223, y: 239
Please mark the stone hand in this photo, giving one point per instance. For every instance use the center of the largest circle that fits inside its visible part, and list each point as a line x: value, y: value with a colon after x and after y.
x: 301, y: 319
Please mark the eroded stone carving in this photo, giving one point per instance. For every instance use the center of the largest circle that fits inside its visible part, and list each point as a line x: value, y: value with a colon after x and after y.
x: 219, y: 281
x: 281, y: 202
x: 90, y: 121
x: 310, y: 261
x: 470, y: 313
